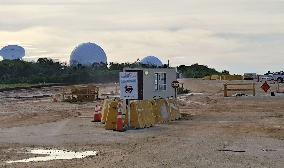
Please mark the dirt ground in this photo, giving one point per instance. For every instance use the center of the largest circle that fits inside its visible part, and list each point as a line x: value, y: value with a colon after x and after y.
x: 243, y: 131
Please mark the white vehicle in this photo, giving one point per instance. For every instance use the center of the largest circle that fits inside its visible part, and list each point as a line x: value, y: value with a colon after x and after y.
x: 278, y: 76
x: 266, y: 78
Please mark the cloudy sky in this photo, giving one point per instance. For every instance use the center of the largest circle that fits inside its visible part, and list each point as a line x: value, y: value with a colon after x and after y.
x: 237, y: 35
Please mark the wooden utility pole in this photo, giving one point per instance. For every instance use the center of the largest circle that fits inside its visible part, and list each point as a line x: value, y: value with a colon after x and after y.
x: 225, y: 90
x: 253, y: 89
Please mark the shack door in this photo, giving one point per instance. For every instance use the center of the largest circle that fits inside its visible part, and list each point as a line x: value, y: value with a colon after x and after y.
x: 140, y: 82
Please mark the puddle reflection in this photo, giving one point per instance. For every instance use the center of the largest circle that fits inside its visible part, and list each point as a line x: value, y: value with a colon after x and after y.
x: 54, y: 155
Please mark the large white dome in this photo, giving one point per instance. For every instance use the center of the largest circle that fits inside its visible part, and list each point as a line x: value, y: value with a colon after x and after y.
x: 152, y: 61
x: 12, y: 52
x: 88, y: 54
x: 1, y: 58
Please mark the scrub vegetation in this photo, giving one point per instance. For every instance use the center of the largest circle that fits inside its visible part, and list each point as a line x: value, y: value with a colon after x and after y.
x: 48, y: 71
x: 16, y: 73
x: 199, y: 71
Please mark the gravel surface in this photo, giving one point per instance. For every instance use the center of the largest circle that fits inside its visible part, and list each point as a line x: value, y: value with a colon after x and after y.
x: 214, y: 132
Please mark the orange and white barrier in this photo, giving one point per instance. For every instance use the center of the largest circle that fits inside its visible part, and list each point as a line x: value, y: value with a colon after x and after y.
x: 119, y: 122
x: 97, y: 114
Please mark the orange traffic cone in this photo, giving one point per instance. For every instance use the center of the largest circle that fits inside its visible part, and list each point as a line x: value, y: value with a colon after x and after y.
x: 100, y: 112
x: 97, y: 114
x: 119, y: 122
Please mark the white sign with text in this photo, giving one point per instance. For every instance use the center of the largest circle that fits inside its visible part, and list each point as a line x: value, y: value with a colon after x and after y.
x: 128, y: 85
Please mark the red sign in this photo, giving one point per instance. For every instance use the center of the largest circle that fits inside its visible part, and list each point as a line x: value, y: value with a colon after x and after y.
x: 175, y: 84
x: 265, y: 86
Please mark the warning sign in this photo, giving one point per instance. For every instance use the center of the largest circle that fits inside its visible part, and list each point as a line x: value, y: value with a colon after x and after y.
x: 265, y: 86
x: 128, y: 85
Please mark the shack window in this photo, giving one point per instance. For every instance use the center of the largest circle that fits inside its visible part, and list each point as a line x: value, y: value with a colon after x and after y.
x: 156, y: 81
x: 160, y: 81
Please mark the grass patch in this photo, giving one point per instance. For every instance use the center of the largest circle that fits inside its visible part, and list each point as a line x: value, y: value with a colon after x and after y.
x: 17, y: 85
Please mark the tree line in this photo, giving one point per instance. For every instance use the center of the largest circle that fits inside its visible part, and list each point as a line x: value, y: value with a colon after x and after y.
x: 199, y: 71
x: 46, y: 70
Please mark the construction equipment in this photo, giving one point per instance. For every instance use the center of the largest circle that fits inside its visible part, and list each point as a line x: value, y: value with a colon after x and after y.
x: 182, y: 90
x: 81, y: 93
x: 250, y: 76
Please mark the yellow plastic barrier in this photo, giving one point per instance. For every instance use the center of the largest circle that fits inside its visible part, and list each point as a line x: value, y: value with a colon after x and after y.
x: 232, y: 77
x: 156, y: 112
x: 174, y: 110
x: 110, y: 122
x: 164, y: 111
x: 143, y: 114
x: 133, y: 115
x: 125, y: 119
x: 171, y: 109
x: 105, y: 110
x: 149, y: 112
x: 215, y: 77
x: 207, y: 78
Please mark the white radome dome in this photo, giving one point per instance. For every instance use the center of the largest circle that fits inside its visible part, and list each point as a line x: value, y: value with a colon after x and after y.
x: 88, y: 54
x: 12, y: 52
x: 152, y: 61
x: 1, y: 58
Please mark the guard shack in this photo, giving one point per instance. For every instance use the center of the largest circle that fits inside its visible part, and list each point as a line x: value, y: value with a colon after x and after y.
x: 147, y: 83
x: 147, y: 97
